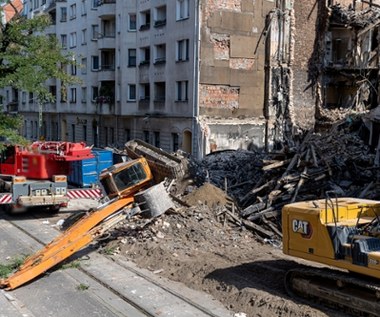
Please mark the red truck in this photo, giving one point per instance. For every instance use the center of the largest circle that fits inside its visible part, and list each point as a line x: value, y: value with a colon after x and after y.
x: 36, y: 175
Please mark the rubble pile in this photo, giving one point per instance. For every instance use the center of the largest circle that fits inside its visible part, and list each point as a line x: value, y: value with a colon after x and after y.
x: 336, y: 163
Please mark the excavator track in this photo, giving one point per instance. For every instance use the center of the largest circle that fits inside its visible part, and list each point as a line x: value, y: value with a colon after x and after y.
x: 339, y: 290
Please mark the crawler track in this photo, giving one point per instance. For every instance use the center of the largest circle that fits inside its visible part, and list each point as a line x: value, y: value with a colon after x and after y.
x: 342, y: 291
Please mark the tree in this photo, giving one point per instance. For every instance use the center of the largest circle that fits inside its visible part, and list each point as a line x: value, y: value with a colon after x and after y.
x: 28, y: 58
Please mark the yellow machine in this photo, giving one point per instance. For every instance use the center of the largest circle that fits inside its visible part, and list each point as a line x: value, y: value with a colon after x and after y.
x: 343, y: 233
x: 121, y: 182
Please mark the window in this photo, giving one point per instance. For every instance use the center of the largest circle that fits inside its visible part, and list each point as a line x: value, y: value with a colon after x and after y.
x: 160, y: 54
x: 94, y: 4
x: 144, y: 92
x: 73, y: 132
x: 132, y: 92
x: 132, y: 57
x: 83, y: 9
x: 182, y: 53
x: 63, y: 14
x: 64, y: 40
x: 109, y: 28
x: 73, y: 39
x: 84, y: 94
x: 94, y: 62
x: 53, y: 90
x: 132, y: 22
x: 73, y: 69
x: 127, y: 133
x: 36, y: 4
x: 182, y: 90
x: 84, y: 36
x: 23, y: 97
x: 73, y: 95
x: 160, y: 16
x: 84, y: 132
x: 43, y: 2
x: 112, y: 132
x: 175, y: 142
x: 145, y: 20
x: 159, y: 91
x: 94, y: 92
x: 146, y: 136
x: 108, y: 60
x: 73, y: 11
x: 31, y: 98
x: 63, y: 94
x: 95, y: 31
x: 145, y: 55
x: 156, y: 139
x: 84, y: 66
x: 106, y: 135
x: 182, y: 9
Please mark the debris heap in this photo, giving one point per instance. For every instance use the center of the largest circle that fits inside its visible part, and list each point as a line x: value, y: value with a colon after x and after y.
x: 336, y: 163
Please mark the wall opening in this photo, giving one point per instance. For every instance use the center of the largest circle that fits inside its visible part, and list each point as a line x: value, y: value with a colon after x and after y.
x: 186, y: 146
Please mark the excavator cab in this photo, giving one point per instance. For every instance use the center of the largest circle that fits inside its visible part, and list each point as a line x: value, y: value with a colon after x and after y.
x: 127, y: 178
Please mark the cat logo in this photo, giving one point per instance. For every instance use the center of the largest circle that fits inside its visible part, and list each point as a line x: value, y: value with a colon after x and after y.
x: 303, y: 227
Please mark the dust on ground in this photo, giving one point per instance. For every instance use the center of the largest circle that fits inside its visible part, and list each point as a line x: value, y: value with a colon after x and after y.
x: 195, y: 246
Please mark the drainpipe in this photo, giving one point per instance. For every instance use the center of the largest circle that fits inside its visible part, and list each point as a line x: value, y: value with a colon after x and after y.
x: 196, y: 146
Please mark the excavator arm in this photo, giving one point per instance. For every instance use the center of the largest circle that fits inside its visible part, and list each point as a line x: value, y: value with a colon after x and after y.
x: 72, y: 240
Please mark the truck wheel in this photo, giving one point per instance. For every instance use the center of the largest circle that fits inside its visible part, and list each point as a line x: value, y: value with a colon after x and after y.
x: 54, y: 209
x: 11, y: 209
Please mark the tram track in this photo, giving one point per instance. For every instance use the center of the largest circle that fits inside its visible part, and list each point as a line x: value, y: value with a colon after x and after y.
x: 99, y: 268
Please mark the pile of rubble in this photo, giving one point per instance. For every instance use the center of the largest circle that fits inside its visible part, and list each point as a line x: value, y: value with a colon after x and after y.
x: 336, y: 163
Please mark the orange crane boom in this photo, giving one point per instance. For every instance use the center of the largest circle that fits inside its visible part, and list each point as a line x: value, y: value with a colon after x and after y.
x: 73, y: 239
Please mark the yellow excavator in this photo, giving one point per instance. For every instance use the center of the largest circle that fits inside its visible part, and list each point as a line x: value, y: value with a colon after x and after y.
x: 120, y: 183
x: 343, y: 233
x: 129, y: 187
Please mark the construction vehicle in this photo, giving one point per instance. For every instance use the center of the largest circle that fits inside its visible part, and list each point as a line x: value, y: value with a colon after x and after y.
x: 121, y: 184
x: 36, y: 175
x: 343, y: 233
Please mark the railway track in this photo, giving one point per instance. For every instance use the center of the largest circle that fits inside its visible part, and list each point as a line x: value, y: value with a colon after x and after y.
x: 116, y: 285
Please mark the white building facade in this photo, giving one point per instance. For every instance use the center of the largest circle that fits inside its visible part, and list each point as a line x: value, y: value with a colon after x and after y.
x: 180, y: 74
x: 136, y: 65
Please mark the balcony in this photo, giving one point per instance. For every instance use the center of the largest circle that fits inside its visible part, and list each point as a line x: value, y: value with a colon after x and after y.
x: 106, y: 41
x: 144, y: 103
x: 159, y: 104
x: 159, y: 23
x: 106, y: 8
x: 160, y: 60
x: 144, y: 27
x: 12, y: 107
x: 106, y: 73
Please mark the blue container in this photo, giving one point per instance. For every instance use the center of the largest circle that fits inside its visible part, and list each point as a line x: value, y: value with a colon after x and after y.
x: 85, y: 173
x: 104, y: 159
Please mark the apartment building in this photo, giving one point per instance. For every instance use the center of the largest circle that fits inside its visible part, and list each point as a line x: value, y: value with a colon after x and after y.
x: 180, y: 74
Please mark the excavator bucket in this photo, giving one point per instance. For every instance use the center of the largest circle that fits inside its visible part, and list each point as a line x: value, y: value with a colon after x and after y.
x: 72, y: 240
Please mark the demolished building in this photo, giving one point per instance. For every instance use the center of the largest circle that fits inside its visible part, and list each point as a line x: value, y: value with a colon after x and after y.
x: 208, y: 75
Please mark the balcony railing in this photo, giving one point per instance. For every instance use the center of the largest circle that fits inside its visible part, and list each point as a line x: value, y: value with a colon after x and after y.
x: 160, y: 60
x: 159, y: 23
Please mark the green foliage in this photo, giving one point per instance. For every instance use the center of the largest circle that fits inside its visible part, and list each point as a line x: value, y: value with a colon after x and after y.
x: 71, y: 265
x: 82, y: 287
x: 14, y: 264
x: 28, y: 58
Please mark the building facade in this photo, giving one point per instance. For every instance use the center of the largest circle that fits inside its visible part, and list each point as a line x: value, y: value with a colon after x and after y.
x: 180, y: 74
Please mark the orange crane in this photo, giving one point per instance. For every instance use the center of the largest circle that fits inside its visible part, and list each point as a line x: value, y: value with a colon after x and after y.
x: 121, y: 182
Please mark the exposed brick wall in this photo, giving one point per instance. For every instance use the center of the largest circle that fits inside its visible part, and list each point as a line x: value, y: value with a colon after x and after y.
x: 232, y: 55
x: 305, y: 32
x: 221, y: 45
x: 216, y: 5
x: 218, y: 96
